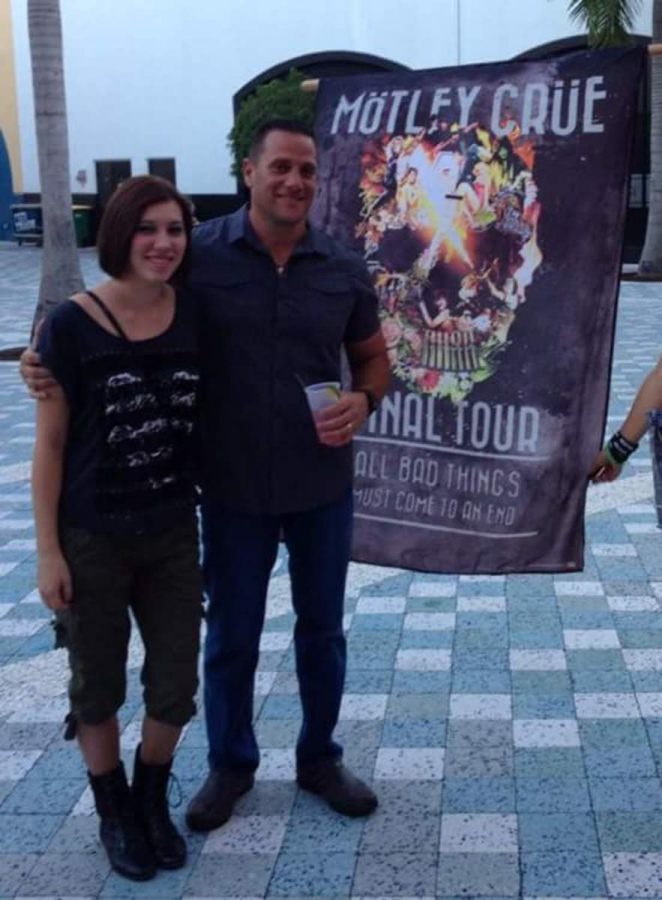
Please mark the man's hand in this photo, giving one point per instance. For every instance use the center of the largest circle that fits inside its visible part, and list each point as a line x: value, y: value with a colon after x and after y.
x: 38, y: 380
x: 603, y: 470
x: 337, y: 424
x: 54, y: 581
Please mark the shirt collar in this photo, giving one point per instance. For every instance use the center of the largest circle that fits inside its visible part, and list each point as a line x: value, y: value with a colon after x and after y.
x: 239, y: 226
x: 237, y: 222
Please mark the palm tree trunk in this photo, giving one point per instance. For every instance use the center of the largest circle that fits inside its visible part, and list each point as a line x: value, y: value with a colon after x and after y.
x: 60, y: 269
x: 650, y: 263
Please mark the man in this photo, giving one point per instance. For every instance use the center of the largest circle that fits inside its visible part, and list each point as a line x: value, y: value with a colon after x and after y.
x: 279, y: 301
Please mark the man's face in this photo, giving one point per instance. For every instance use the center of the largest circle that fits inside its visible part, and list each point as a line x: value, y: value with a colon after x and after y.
x: 283, y: 178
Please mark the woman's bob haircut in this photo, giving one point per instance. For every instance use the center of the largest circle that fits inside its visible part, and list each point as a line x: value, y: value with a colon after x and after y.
x: 123, y: 215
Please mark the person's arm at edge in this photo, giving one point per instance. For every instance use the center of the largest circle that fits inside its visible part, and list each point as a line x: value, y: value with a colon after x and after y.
x: 54, y: 579
x: 649, y: 397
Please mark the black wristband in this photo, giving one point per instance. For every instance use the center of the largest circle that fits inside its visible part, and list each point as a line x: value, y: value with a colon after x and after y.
x: 370, y: 397
x: 620, y: 447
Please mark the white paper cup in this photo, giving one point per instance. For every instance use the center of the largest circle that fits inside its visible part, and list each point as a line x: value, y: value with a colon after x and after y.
x: 322, y: 394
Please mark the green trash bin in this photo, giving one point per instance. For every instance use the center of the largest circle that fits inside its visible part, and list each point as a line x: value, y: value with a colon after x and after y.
x: 82, y: 225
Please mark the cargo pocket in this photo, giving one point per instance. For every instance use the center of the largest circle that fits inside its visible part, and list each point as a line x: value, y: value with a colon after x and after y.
x: 60, y: 634
x: 70, y: 726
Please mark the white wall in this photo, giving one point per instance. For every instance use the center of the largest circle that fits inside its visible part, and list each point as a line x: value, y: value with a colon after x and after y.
x: 155, y: 78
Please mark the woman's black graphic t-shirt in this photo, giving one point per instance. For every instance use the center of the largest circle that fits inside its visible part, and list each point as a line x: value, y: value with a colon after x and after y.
x: 131, y: 446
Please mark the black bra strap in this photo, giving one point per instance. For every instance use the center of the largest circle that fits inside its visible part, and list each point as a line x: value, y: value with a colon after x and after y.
x: 109, y: 315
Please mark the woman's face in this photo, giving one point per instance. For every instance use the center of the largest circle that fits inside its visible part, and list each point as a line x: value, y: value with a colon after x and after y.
x: 159, y: 244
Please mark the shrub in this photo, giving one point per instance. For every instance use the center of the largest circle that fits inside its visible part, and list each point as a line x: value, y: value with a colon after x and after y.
x: 280, y: 98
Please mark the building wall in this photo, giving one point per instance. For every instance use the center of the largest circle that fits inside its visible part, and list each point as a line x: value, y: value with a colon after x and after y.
x: 155, y: 78
x: 10, y: 153
x: 8, y: 100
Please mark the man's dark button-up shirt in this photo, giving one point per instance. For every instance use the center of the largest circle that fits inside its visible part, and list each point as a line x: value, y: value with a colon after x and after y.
x: 266, y: 333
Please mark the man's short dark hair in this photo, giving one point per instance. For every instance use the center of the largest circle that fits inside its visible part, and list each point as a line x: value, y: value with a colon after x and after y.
x: 292, y: 126
x: 122, y: 217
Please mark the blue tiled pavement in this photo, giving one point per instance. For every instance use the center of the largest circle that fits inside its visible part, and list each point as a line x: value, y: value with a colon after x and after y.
x: 512, y: 726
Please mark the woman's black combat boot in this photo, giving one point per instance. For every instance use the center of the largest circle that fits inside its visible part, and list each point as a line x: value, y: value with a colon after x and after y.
x: 120, y: 831
x: 150, y: 797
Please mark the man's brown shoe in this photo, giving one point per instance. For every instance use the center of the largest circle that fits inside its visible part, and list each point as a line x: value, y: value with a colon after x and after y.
x: 333, y: 782
x: 212, y: 806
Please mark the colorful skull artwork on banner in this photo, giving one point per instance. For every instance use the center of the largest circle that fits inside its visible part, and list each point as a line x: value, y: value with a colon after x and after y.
x: 488, y: 203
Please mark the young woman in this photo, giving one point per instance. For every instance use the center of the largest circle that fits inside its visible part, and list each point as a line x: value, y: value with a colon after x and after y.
x: 114, y: 500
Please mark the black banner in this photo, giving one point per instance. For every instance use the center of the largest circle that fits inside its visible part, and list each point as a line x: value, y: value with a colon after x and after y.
x: 488, y: 203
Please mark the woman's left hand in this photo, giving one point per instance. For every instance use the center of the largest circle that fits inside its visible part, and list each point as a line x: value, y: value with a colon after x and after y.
x: 54, y: 581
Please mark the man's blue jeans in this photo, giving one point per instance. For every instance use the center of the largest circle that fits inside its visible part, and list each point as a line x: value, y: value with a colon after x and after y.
x: 239, y: 554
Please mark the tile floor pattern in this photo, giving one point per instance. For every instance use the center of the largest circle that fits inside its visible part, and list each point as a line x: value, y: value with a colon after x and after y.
x: 512, y: 726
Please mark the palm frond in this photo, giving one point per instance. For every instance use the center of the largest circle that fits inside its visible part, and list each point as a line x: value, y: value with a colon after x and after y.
x: 607, y: 21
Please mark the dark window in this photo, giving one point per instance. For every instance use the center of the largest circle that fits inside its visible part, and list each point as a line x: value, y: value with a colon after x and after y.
x: 163, y: 167
x: 110, y: 173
